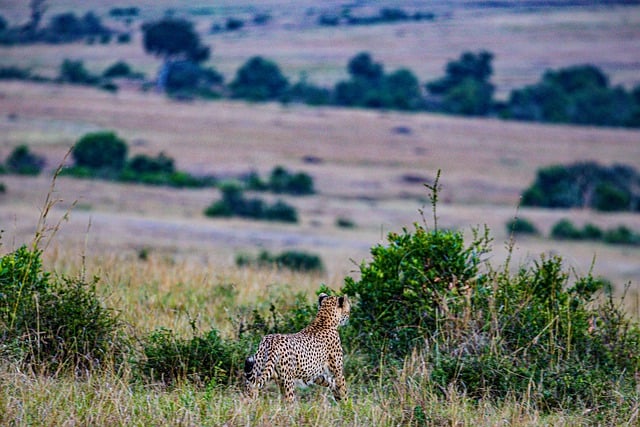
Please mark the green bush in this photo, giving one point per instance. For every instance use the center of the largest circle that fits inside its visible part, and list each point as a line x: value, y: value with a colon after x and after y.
x: 577, y: 94
x: 488, y: 333
x: 12, y: 72
x: 292, y: 260
x: 210, y: 359
x: 564, y: 229
x: 75, y: 72
x: 585, y: 184
x: 23, y: 162
x: 50, y: 323
x: 410, y: 283
x: 203, y: 358
x: 100, y: 150
x: 259, y: 80
x: 621, y: 235
x: 233, y: 203
x: 118, y: 69
x: 521, y: 226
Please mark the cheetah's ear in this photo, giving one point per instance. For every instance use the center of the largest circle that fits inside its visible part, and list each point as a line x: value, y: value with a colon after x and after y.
x: 340, y: 302
x: 320, y: 298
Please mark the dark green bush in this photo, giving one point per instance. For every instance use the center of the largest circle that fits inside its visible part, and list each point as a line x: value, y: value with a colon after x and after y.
x: 141, y: 163
x: 233, y: 203
x: 564, y: 229
x: 585, y: 184
x: 118, y: 69
x: 621, y: 235
x: 521, y: 226
x: 282, y: 181
x: 23, y: 162
x: 12, y: 72
x: 591, y: 232
x: 75, y: 72
x: 410, y: 284
x: 51, y: 323
x: 577, y: 94
x: 208, y: 358
x: 491, y: 334
x: 203, y: 358
x: 259, y: 80
x: 292, y: 260
x: 100, y: 150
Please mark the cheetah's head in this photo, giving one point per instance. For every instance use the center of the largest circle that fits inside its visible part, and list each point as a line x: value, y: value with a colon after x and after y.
x: 334, y: 307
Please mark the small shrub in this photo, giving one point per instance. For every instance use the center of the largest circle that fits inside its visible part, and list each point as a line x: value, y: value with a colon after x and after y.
x: 592, y: 232
x: 203, y: 358
x: 100, y: 150
x: 12, y: 72
x: 118, y: 69
x: 621, y: 235
x: 53, y: 323
x: 585, y: 184
x: 234, y: 24
x: 564, y: 229
x: 233, y: 203
x: 23, y: 162
x: 345, y: 222
x: 521, y: 226
x: 292, y: 260
x: 75, y: 72
x: 280, y: 211
x: 259, y: 80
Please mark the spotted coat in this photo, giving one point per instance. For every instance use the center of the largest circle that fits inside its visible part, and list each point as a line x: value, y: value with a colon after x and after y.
x: 313, y: 355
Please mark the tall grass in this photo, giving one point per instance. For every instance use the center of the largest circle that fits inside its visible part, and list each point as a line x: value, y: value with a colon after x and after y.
x: 156, y: 290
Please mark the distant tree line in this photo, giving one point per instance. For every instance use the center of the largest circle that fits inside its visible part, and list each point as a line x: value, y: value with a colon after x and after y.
x: 580, y: 94
x: 386, y: 15
x: 62, y: 28
x: 577, y: 94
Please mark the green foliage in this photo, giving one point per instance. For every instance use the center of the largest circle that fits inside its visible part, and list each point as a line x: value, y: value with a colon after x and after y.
x: 233, y: 203
x: 100, y: 151
x: 203, y: 358
x: 585, y: 184
x: 578, y: 94
x: 67, y: 27
x: 259, y: 80
x: 491, y: 334
x: 622, y: 235
x: 75, y: 72
x: 141, y: 163
x: 564, y: 229
x: 370, y: 87
x: 52, y: 323
x: 210, y: 359
x: 118, y: 69
x: 174, y: 38
x: 465, y: 89
x: 292, y: 260
x: 281, y: 181
x: 23, y: 162
x: 410, y: 283
x: 521, y: 226
x: 14, y: 73
x: 188, y: 77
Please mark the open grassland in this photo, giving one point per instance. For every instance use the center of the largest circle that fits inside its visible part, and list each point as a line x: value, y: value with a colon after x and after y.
x: 162, y: 263
x: 361, y: 169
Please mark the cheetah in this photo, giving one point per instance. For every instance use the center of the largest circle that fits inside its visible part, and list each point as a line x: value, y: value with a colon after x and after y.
x: 313, y: 355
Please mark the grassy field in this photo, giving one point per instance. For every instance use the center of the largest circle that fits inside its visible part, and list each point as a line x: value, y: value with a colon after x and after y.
x: 369, y: 168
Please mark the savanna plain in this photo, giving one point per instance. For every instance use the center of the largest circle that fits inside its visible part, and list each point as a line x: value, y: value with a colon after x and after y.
x: 162, y: 263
